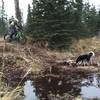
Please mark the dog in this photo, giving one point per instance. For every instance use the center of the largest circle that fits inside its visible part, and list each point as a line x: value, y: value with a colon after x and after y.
x: 85, y: 58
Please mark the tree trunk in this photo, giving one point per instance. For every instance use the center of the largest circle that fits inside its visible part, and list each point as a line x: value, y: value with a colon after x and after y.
x: 2, y: 10
x: 18, y: 11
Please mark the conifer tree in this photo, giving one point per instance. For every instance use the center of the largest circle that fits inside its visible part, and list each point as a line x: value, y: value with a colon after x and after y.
x: 29, y: 20
x: 3, y: 19
x: 61, y: 21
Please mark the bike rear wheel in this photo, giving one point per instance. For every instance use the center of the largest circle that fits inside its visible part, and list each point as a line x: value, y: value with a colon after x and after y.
x: 7, y: 37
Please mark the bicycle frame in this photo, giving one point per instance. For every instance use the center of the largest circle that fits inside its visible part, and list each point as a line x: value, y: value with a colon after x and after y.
x: 19, y: 34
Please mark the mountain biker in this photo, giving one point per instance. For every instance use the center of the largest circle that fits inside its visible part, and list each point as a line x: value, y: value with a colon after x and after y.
x: 13, y: 27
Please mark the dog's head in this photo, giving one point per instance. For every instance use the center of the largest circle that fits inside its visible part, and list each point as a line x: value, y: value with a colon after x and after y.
x: 91, y: 53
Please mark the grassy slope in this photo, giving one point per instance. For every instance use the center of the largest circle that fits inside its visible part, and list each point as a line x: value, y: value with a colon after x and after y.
x: 87, y: 45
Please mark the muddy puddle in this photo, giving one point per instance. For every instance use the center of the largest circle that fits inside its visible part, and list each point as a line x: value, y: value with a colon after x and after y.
x: 66, y: 87
x: 29, y: 91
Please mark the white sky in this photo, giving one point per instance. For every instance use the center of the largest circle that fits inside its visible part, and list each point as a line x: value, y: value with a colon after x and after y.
x: 94, y: 2
x: 10, y: 10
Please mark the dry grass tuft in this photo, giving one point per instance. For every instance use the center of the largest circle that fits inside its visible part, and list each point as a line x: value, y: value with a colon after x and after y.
x: 12, y: 95
x: 86, y: 45
x: 59, y: 55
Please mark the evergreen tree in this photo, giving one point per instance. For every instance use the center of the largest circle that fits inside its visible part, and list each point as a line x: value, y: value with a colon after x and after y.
x: 52, y: 18
x: 98, y: 22
x: 89, y: 19
x: 29, y: 20
x: 61, y: 21
x: 3, y: 19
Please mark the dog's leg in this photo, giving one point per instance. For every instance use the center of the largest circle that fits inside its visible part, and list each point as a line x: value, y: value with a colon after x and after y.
x: 92, y: 59
x: 87, y: 63
x: 84, y: 63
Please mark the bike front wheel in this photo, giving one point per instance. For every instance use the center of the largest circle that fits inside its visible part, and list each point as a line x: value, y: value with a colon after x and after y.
x: 23, y: 40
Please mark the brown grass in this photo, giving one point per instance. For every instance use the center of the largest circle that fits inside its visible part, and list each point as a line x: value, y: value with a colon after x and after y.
x: 87, y: 45
x: 77, y: 48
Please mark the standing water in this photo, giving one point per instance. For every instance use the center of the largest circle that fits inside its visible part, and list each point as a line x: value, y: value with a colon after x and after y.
x: 75, y: 84
x: 29, y: 91
x: 93, y: 87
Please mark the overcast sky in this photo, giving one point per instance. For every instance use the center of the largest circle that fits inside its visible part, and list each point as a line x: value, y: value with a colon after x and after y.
x: 94, y: 2
x: 9, y: 6
x: 10, y: 10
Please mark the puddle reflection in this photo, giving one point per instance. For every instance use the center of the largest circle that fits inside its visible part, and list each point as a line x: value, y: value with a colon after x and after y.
x: 29, y: 91
x: 93, y: 87
x: 74, y: 84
